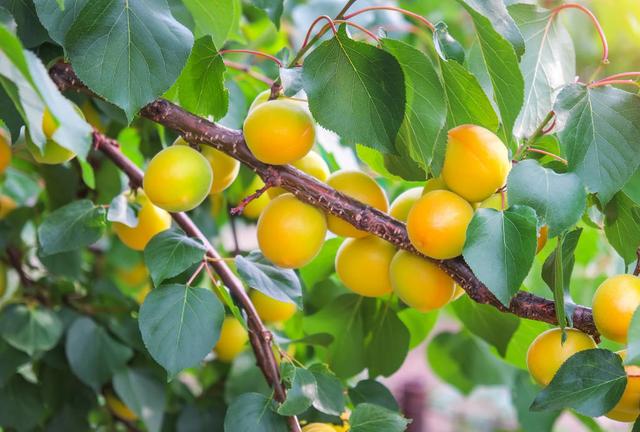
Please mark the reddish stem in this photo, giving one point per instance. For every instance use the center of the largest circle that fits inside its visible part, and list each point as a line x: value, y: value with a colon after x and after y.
x: 246, y: 200
x: 548, y: 129
x: 596, y: 23
x: 196, y: 273
x: 544, y: 152
x: 605, y: 82
x: 359, y: 27
x: 620, y: 75
x: 252, y: 52
x: 395, y: 9
x: 313, y: 24
x: 247, y: 69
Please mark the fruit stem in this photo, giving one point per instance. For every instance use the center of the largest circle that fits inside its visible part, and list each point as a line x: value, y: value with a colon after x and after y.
x: 596, y: 23
x: 395, y: 9
x: 247, y: 69
x: 536, y: 134
x: 246, y: 200
x: 252, y: 52
x: 605, y: 82
x: 544, y: 152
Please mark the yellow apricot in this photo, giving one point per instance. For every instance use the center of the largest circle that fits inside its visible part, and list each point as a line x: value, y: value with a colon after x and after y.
x: 360, y: 186
x: 543, y: 234
x: 476, y: 162
x: 233, y: 339
x: 49, y: 124
x: 547, y: 352
x: 318, y: 427
x: 225, y: 168
x: 290, y: 232
x: 118, y: 408
x: 151, y: 221
x: 5, y: 151
x: 400, y: 206
x: 3, y: 279
x: 420, y: 283
x: 614, y: 303
x: 437, y: 224
x: 271, y: 310
x: 311, y: 164
x: 362, y: 264
x: 142, y: 293
x: 262, y: 97
x: 279, y: 132
x: 628, y: 407
x: 7, y: 205
x: 255, y: 207
x: 434, y: 183
x: 178, y: 179
x: 135, y: 275
x: 52, y: 153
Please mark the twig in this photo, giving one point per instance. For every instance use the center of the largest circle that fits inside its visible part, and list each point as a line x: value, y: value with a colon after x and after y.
x: 246, y: 200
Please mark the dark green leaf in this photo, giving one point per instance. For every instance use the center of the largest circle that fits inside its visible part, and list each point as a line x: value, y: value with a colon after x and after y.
x: 633, y: 340
x: 329, y: 397
x: 12, y: 359
x: 21, y: 405
x: 245, y: 377
x: 523, y: 391
x: 58, y: 20
x: 215, y: 18
x: 389, y: 343
x: 621, y: 226
x: 30, y: 30
x: 197, y: 418
x: 143, y: 395
x: 73, y: 226
x: 253, y: 412
x: 273, y: 9
x: 180, y: 325
x: 558, y: 199
x: 374, y: 418
x: 511, y: 236
x: 342, y: 80
x: 30, y: 329
x: 171, y: 252
x: 496, y: 13
x: 446, y: 46
x: 302, y: 390
x: 590, y: 382
x: 372, y: 392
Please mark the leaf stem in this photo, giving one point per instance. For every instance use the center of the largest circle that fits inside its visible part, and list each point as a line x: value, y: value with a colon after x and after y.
x: 359, y: 27
x: 605, y: 82
x: 252, y: 52
x: 394, y: 9
x: 533, y: 138
x: 596, y: 23
x: 544, y: 152
x: 247, y: 69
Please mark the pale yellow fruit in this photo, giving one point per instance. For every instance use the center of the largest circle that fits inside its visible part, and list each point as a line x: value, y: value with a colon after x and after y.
x: 401, y: 206
x: 311, y: 164
x: 362, y: 264
x: 233, y: 340
x: 614, y: 303
x: 271, y: 310
x: 151, y: 221
x: 118, y: 408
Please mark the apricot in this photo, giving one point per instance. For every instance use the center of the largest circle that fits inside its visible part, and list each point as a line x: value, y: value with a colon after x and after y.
x: 547, y: 352
x: 437, y: 224
x: 118, y: 408
x: 318, y: 427
x: 7, y: 205
x: 151, y: 221
x: 262, y: 97
x: 290, y: 232
x: 360, y: 186
x: 628, y: 407
x: 311, y: 164
x: 614, y: 303
x: 52, y: 153
x: 400, y: 206
x: 178, y: 179
x: 135, y: 275
x: 225, y: 168
x: 5, y: 151
x: 434, y: 183
x: 362, y: 264
x: 142, y: 293
x: 420, y: 283
x: 271, y: 310
x: 255, y: 207
x: 476, y: 162
x: 543, y: 234
x: 279, y: 132
x: 233, y: 339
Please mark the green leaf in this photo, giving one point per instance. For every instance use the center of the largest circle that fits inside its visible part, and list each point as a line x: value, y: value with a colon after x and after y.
x: 140, y: 54
x: 487, y: 322
x: 426, y: 111
x: 143, y: 395
x: 196, y: 418
x: 273, y: 9
x: 201, y: 87
x: 633, y: 340
x: 302, y: 390
x: 329, y: 397
x: 58, y: 20
x: 214, y: 18
x: 171, y: 252
x: 30, y: 31
x: 342, y: 80
x: 511, y: 236
x: 492, y: 22
x: 523, y: 392
x: 253, y: 412
x: 93, y: 355
x: 446, y: 46
x: 558, y: 199
x: 30, y: 329
x: 121, y: 211
x: 21, y: 405
x: 322, y: 266
x: 389, y: 344
x: 621, y: 226
x: 373, y: 392
x: 419, y: 324
x: 548, y: 63
x: 291, y: 80
x: 374, y: 418
x: 590, y: 382
x: 180, y: 325
x: 599, y: 136
x: 71, y: 227
x: 12, y: 359
x: 278, y: 283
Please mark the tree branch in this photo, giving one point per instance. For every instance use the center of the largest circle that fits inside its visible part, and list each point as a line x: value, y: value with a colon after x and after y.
x: 201, y: 131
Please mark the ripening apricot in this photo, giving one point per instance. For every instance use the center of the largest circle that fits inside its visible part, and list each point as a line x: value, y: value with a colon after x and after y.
x: 434, y: 183
x: 318, y: 427
x: 5, y: 151
x: 547, y: 352
x: 7, y: 205
x: 360, y: 186
x: 262, y: 97
x: 476, y: 162
x: 362, y: 264
x: 279, y: 131
x: 437, y: 224
x: 178, y: 179
x: 135, y: 275
x: 311, y: 164
x: 270, y: 309
x: 628, y: 407
x: 257, y: 206
x: 233, y: 339
x: 118, y: 408
x: 614, y: 302
x: 290, y: 232
x: 151, y: 221
x: 420, y: 283
x: 543, y: 234
x: 400, y: 206
x: 225, y: 168
x: 52, y: 153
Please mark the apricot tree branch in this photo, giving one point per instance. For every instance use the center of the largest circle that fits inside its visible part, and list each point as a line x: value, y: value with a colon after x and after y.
x: 201, y: 131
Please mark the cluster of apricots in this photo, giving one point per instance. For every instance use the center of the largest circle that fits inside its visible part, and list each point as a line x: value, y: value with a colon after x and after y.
x: 614, y: 303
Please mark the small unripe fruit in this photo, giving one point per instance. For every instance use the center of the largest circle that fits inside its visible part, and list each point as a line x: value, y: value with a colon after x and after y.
x: 225, y: 168
x: 5, y: 151
x: 52, y: 153
x: 256, y: 206
x: 178, y: 179
x: 233, y: 339
x: 437, y: 224
x: 420, y: 283
x: 279, y: 132
x: 476, y: 162
x: 362, y: 264
x: 360, y: 186
x: 434, y: 183
x: 318, y: 427
x: 628, y: 407
x: 547, y: 352
x: 290, y: 232
x: 400, y: 206
x: 151, y: 221
x: 311, y: 164
x: 118, y: 408
x: 614, y: 303
x: 270, y: 309
x: 7, y: 205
